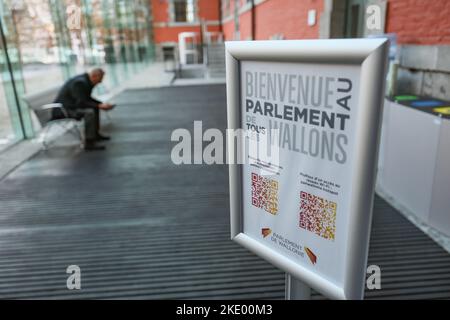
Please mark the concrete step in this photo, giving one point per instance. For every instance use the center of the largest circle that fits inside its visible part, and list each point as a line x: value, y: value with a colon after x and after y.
x: 217, y: 74
x: 216, y: 52
x: 216, y: 61
x: 216, y: 65
x: 216, y: 55
x: 216, y: 58
x: 218, y: 68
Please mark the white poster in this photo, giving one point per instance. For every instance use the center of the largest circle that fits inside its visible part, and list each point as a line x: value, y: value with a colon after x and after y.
x: 297, y: 202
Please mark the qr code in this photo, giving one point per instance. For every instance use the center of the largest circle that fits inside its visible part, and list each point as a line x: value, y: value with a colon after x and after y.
x: 265, y: 193
x: 318, y: 215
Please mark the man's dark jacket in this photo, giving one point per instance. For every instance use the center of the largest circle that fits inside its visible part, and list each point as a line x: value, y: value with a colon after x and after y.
x: 76, y: 94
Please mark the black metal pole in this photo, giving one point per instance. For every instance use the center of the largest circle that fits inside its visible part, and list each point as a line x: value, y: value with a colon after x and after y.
x: 253, y: 20
x: 220, y: 16
x: 11, y: 74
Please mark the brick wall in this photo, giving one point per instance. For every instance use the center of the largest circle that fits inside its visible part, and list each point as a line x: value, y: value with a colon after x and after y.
x: 163, y: 32
x: 245, y: 25
x: 414, y: 21
x: 423, y: 31
x: 209, y: 9
x: 228, y: 22
x: 419, y: 21
x: 160, y: 10
x: 228, y: 30
x: 287, y: 17
x: 277, y: 17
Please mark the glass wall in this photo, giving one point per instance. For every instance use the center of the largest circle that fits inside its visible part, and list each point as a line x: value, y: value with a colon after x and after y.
x: 15, y: 123
x: 44, y: 42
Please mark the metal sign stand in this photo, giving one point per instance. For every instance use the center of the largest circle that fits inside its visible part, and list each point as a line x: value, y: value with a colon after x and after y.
x: 296, y: 290
x: 361, y: 70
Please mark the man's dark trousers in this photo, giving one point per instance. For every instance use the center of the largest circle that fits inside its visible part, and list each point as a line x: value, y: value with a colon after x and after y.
x: 91, y: 116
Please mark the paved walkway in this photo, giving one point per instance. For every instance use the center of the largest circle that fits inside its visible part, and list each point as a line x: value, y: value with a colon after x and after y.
x: 141, y: 227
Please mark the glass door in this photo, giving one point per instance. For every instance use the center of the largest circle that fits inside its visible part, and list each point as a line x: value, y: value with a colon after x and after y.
x: 355, y: 18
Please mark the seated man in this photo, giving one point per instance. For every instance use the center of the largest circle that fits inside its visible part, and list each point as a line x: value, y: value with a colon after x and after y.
x: 75, y: 96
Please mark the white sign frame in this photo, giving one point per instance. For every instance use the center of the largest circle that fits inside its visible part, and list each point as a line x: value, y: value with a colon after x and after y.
x: 371, y: 56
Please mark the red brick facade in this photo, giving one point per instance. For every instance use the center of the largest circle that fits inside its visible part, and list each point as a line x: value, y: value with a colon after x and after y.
x: 414, y: 21
x: 419, y: 21
x: 275, y: 18
x: 167, y: 31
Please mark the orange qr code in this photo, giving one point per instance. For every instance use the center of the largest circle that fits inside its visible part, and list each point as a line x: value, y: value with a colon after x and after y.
x: 265, y: 193
x: 318, y: 215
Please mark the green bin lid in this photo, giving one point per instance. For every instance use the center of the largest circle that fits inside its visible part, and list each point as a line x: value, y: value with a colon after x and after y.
x: 406, y: 98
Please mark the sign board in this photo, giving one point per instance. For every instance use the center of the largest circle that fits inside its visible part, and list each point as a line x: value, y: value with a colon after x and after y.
x: 301, y: 196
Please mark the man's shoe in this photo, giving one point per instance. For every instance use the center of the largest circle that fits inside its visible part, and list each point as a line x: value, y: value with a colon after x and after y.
x: 102, y: 137
x: 93, y: 147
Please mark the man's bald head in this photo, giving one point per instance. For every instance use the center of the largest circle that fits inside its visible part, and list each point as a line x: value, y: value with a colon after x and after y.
x: 96, y: 75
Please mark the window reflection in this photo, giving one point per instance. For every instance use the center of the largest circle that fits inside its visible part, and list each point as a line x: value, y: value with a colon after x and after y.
x: 49, y: 41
